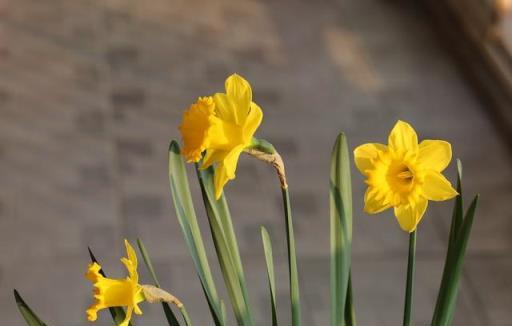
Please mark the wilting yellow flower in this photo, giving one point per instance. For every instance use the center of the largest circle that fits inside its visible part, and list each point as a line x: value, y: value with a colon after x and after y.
x: 223, y: 126
x: 404, y: 175
x: 116, y: 292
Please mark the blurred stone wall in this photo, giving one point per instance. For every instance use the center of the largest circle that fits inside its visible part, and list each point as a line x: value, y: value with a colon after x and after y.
x: 92, y: 91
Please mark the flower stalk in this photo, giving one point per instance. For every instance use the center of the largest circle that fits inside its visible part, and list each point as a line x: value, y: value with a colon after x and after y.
x: 273, y: 159
x: 292, y: 259
x: 264, y: 151
x: 409, y: 289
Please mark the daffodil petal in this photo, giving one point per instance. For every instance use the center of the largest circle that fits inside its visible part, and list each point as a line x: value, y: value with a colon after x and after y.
x: 238, y: 89
x: 364, y: 154
x: 130, y: 252
x: 225, y: 108
x: 252, y: 122
x: 130, y: 262
x: 126, y: 320
x: 437, y: 187
x: 409, y: 215
x: 225, y: 171
x: 220, y: 179
x: 403, y: 137
x: 372, y: 204
x: 213, y: 156
x: 136, y: 307
x: 435, y: 154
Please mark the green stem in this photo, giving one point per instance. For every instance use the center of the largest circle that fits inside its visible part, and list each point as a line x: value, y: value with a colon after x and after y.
x: 262, y: 145
x: 292, y: 260
x: 409, y: 290
x: 186, y: 317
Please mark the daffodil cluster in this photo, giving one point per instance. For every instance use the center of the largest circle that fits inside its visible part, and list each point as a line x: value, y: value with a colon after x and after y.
x: 404, y: 175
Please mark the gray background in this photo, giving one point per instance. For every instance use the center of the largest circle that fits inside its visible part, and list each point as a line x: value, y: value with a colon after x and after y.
x: 92, y: 91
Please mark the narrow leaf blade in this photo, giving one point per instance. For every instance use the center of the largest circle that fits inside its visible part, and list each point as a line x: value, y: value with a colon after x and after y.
x: 220, y: 211
x: 350, y: 313
x: 447, y: 297
x: 341, y: 229
x: 28, y: 314
x: 187, y: 219
x: 458, y: 208
x: 267, y: 247
x: 227, y: 263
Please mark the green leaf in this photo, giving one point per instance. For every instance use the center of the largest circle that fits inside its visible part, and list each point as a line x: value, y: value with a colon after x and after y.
x: 458, y: 209
x: 169, y: 314
x: 223, y: 307
x: 267, y: 247
x: 221, y: 212
x: 185, y: 212
x: 459, y: 238
x: 350, y: 313
x: 459, y: 255
x: 27, y: 313
x: 117, y: 313
x: 226, y: 248
x: 341, y: 229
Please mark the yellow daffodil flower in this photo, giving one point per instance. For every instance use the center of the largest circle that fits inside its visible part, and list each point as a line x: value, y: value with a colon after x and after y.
x: 222, y: 125
x: 116, y: 292
x: 404, y: 175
